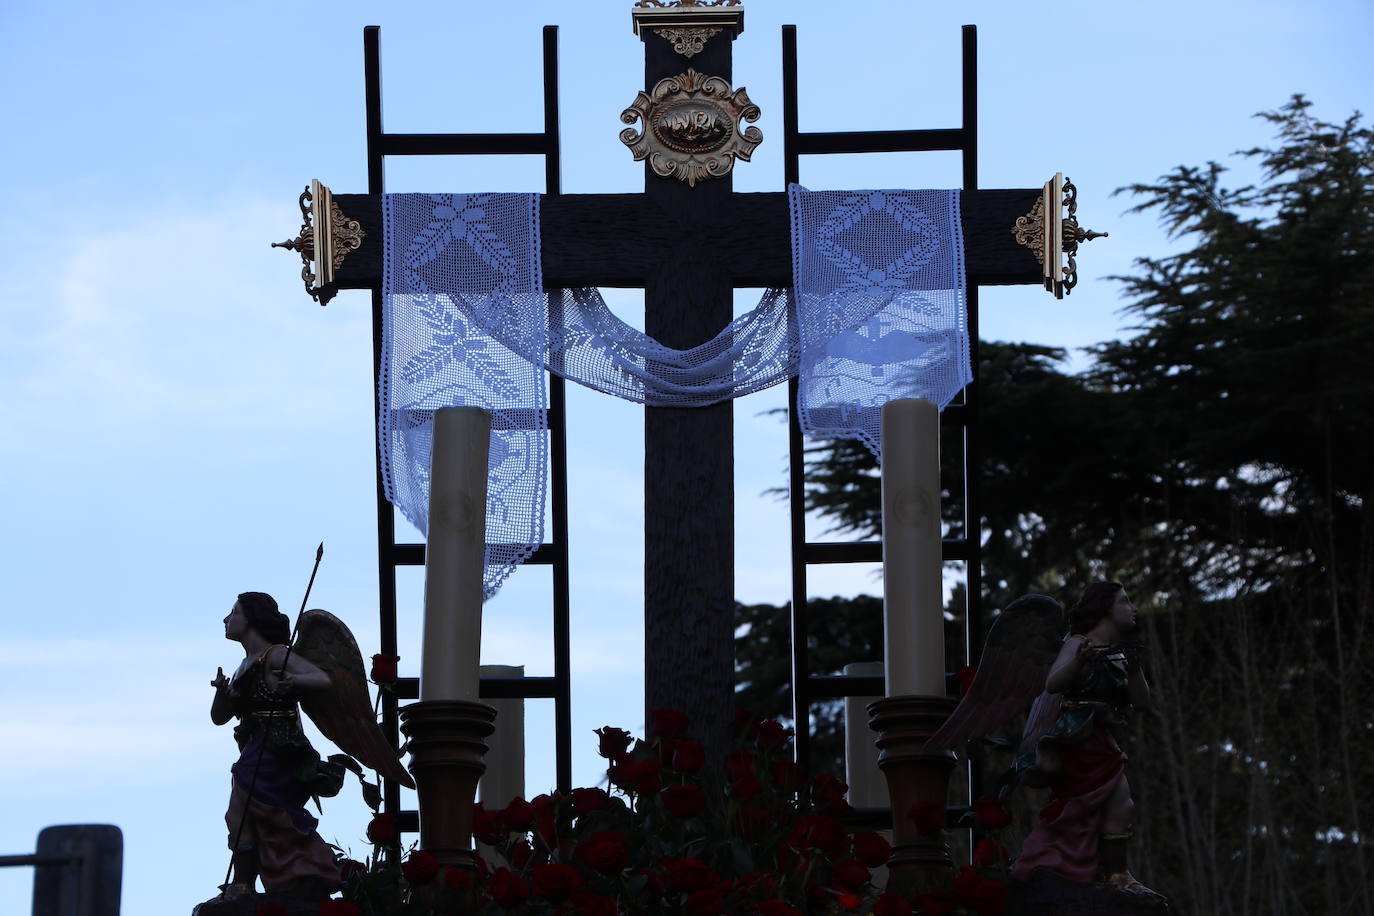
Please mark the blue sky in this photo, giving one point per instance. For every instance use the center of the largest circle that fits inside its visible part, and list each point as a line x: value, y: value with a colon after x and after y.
x: 184, y: 424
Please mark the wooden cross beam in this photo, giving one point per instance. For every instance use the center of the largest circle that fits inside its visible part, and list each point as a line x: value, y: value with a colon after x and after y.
x: 688, y: 247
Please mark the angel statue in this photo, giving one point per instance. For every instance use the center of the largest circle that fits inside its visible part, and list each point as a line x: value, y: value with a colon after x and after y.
x: 271, y: 834
x: 1086, y: 682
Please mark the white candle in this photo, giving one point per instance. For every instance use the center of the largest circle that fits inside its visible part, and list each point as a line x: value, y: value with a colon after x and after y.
x: 454, y: 554
x: 913, y: 606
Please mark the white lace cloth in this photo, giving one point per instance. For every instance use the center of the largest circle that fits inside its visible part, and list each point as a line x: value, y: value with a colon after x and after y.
x: 879, y: 313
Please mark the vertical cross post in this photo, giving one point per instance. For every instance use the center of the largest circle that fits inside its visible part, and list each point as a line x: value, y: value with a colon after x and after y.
x: 689, y: 563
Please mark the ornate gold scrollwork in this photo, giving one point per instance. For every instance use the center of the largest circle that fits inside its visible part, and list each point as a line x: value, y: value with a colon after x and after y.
x: 1054, y: 236
x: 692, y: 127
x: 324, y: 229
x: 687, y: 24
x: 687, y: 42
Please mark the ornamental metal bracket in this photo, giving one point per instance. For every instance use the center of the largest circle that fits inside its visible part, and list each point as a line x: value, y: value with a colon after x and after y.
x: 1054, y: 235
x: 324, y: 230
x: 692, y: 127
x: 687, y: 24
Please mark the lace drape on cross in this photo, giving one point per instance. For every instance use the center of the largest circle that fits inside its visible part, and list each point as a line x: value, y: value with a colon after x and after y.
x: 876, y: 312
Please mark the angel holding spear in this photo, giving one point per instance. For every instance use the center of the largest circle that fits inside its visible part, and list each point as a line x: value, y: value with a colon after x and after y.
x: 271, y: 834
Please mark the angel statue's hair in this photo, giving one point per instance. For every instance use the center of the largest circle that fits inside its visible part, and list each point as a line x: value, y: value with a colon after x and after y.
x: 1096, y: 601
x: 261, y: 610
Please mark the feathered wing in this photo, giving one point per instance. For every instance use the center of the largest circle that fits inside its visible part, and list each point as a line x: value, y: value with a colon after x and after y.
x: 1020, y: 648
x: 344, y: 712
x: 1044, y: 712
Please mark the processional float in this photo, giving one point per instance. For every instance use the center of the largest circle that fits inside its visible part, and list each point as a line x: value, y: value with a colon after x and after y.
x: 689, y: 240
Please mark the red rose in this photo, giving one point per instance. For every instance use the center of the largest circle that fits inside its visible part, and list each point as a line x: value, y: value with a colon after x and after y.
x: 518, y: 814
x: 848, y: 901
x: 892, y: 904
x: 688, y: 874
x: 849, y: 875
x: 929, y: 817
x: 965, y: 674
x: 990, y: 898
x: 586, y: 903
x: 585, y: 801
x: 613, y: 741
x: 420, y: 868
x: 507, y: 888
x: 789, y: 776
x: 771, y: 735
x: 555, y: 881
x: 752, y: 823
x: 604, y: 851
x: 872, y: 848
x: 708, y: 901
x: 381, y: 830
x: 457, y: 879
x: 775, y: 907
x: 350, y: 867
x: 815, y: 831
x: 384, y: 668
x: 933, y: 904
x: 746, y: 787
x: 826, y: 789
x: 687, y: 757
x: 667, y: 723
x: 684, y: 801
x: 987, y: 853
x: 488, y: 826
x: 967, y: 882
x: 338, y: 908
x: 644, y: 776
x: 271, y: 909
x: 991, y: 813
x: 739, y: 764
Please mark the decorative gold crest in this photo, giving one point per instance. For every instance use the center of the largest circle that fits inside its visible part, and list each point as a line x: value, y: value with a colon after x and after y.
x: 692, y: 127
x: 322, y: 221
x: 1054, y: 236
x: 687, y: 42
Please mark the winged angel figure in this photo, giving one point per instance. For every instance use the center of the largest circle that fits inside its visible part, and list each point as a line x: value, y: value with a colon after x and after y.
x: 1079, y: 688
x: 271, y: 833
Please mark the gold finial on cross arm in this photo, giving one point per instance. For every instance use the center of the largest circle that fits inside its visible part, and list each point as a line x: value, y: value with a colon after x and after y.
x: 1054, y: 236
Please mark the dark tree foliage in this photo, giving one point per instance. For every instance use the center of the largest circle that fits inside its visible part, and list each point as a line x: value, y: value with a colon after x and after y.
x: 841, y: 631
x: 1220, y: 461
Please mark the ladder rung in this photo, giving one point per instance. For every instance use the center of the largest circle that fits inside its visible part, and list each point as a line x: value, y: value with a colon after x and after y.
x: 491, y: 688
x: 464, y: 144
x: 881, y: 141
x: 414, y: 555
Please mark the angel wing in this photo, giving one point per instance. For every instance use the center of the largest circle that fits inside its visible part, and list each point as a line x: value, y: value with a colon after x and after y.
x: 1044, y: 712
x: 1020, y: 648
x: 344, y: 712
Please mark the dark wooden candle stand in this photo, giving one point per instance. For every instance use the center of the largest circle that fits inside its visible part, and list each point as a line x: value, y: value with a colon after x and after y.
x: 920, y: 861
x: 447, y: 749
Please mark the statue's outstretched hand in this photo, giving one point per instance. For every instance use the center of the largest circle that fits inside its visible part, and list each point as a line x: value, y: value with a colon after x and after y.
x: 220, y: 682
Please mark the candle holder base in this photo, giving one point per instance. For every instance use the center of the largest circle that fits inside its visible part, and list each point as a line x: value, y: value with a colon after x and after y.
x: 920, y: 861
x: 447, y: 750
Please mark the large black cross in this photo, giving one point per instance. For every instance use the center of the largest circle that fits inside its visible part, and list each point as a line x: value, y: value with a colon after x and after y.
x: 688, y: 248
